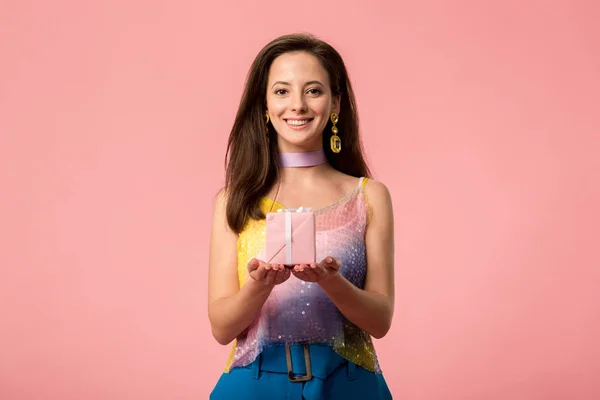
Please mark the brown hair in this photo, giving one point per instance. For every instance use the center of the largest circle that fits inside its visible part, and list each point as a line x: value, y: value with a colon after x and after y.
x: 251, y: 160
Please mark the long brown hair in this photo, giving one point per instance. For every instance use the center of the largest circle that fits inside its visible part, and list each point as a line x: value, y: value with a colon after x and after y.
x: 251, y: 161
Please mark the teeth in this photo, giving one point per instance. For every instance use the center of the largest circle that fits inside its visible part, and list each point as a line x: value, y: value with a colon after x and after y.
x: 297, y: 122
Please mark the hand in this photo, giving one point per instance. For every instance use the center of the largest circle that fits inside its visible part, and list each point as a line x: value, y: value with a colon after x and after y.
x: 318, y: 272
x: 268, y: 275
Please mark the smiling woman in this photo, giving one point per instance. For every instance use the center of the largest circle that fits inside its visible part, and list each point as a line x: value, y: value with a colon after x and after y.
x: 302, y: 332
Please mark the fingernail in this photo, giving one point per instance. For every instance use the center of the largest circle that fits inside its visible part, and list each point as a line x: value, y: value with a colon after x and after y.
x: 329, y: 260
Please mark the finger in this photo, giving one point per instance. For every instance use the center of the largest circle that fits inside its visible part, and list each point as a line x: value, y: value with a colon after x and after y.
x: 261, y: 272
x: 301, y: 275
x: 311, y: 274
x: 306, y: 275
x: 333, y: 263
x: 279, y: 267
x: 278, y: 273
x: 253, y: 265
x: 318, y: 269
x: 282, y: 276
x: 277, y: 279
x: 300, y: 267
x: 270, y: 278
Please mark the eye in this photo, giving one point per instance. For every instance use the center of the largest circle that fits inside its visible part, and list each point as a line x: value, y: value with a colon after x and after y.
x: 280, y: 91
x: 314, y: 91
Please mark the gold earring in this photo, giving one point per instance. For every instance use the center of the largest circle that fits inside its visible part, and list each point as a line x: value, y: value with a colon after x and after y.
x: 335, y: 142
x: 267, y: 125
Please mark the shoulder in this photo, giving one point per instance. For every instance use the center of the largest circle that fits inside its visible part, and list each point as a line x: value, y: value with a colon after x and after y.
x: 220, y: 221
x: 379, y: 200
x: 220, y: 200
x: 377, y: 190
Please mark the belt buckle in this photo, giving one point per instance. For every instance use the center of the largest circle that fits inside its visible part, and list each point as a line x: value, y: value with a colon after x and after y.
x: 298, y: 378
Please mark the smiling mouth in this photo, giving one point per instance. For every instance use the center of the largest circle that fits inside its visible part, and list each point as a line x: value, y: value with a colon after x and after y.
x: 298, y: 122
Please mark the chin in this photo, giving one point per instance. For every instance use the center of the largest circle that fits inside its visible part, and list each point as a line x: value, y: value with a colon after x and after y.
x: 300, y: 139
x: 309, y: 143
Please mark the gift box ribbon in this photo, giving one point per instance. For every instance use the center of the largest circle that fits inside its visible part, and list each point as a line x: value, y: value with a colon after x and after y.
x: 288, y: 231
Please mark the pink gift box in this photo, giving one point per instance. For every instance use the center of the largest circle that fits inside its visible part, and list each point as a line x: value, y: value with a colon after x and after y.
x: 290, y: 237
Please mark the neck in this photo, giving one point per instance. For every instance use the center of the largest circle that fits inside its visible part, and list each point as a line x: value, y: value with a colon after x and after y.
x: 304, y: 177
x: 304, y: 159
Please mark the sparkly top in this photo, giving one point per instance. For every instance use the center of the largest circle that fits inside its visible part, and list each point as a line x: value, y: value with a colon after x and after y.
x: 300, y: 312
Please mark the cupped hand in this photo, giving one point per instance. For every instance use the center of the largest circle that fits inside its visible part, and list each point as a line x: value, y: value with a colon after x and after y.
x: 317, y: 272
x: 267, y: 274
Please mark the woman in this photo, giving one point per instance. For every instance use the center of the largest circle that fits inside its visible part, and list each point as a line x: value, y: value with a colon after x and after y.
x: 304, y: 331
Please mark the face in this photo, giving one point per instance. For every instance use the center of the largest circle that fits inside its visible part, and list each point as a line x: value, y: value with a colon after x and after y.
x: 299, y: 101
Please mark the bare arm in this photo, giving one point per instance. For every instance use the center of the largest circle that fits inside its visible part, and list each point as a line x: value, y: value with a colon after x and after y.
x: 231, y: 309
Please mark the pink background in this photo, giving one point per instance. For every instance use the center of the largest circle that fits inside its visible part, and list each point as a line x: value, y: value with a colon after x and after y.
x: 481, y: 118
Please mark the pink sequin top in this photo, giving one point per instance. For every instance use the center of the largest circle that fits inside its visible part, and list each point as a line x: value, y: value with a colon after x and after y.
x: 298, y: 311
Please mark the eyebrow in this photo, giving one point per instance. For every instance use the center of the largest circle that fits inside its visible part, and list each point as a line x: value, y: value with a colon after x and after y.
x: 306, y: 84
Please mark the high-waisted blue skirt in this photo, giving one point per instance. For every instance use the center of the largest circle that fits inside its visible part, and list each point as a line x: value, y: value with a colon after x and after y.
x: 278, y: 373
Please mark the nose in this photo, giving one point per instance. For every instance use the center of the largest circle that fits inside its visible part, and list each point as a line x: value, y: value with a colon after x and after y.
x: 297, y: 102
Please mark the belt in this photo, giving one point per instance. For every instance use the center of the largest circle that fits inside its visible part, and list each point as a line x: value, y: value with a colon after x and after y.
x: 301, y: 362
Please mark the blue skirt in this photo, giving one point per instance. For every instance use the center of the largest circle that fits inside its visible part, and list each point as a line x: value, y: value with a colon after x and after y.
x: 302, y: 372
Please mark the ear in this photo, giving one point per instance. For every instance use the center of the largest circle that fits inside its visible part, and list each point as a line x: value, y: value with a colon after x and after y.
x: 335, y: 104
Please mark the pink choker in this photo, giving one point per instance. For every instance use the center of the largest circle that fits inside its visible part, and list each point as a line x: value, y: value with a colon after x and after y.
x: 307, y: 159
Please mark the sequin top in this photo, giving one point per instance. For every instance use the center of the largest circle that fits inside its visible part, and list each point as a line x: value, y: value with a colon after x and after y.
x: 300, y: 312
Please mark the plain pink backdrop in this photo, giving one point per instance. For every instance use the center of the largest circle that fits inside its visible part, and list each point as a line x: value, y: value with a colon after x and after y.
x: 480, y: 117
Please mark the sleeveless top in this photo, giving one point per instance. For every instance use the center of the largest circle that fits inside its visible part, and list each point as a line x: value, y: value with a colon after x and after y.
x: 300, y: 312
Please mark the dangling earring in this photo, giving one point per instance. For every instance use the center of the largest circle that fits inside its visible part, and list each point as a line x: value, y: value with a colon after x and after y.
x: 267, y: 125
x: 335, y: 142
